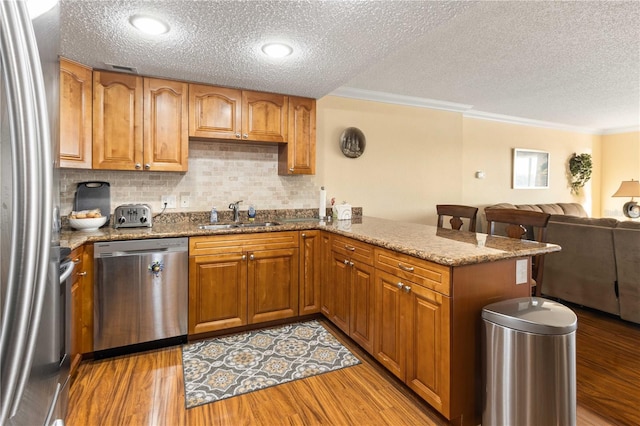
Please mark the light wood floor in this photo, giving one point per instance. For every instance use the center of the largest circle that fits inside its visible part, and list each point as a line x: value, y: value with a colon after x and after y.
x: 147, y: 389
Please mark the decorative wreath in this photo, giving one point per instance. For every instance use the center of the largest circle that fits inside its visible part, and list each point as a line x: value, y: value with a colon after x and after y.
x: 580, y: 168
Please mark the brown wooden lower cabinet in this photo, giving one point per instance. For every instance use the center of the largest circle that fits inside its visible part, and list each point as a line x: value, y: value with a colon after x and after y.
x: 75, y: 351
x: 349, y: 299
x: 242, y: 279
x: 412, y: 336
x: 311, y: 267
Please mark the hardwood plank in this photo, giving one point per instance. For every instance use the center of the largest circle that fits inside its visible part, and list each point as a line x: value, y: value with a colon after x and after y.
x: 608, y: 366
x: 147, y: 389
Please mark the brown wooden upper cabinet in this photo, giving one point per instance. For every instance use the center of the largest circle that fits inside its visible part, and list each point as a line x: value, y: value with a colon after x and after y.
x: 139, y: 123
x: 298, y: 156
x: 75, y: 115
x: 223, y: 113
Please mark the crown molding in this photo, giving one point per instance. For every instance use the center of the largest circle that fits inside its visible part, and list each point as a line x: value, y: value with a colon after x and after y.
x: 467, y: 111
x: 618, y: 130
x: 528, y: 122
x: 389, y: 98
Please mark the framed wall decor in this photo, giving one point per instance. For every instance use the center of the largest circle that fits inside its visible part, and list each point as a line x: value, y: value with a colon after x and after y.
x: 530, y: 169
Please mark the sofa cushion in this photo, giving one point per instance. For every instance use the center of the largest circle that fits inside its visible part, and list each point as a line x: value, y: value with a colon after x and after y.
x: 584, y: 271
x: 626, y: 239
x: 551, y: 208
x: 573, y: 209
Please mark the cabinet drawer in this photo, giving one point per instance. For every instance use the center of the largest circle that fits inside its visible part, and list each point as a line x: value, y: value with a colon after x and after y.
x: 428, y: 274
x: 353, y: 249
x: 238, y: 243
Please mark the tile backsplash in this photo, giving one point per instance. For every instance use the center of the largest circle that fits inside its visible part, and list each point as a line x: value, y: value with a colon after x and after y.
x: 219, y: 173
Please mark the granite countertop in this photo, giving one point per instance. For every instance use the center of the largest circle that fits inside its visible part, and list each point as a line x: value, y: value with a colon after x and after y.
x: 442, y: 246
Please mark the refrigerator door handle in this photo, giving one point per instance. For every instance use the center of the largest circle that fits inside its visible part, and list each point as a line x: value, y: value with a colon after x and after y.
x: 31, y: 232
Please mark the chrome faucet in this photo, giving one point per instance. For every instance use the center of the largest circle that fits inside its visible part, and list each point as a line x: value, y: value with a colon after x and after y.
x: 236, y: 210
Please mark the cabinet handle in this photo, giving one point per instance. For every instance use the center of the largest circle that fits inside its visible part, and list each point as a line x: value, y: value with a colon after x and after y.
x: 407, y: 289
x: 346, y: 261
x: 138, y: 166
x: 82, y: 274
x: 76, y: 260
x: 304, y: 235
x: 350, y: 248
x: 400, y: 285
x: 351, y: 264
x: 291, y: 169
x: 405, y: 268
x: 237, y: 135
x: 245, y: 136
x: 147, y: 166
x: 244, y: 257
x: 251, y: 257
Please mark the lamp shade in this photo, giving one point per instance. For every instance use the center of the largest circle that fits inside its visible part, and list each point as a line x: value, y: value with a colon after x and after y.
x: 628, y: 188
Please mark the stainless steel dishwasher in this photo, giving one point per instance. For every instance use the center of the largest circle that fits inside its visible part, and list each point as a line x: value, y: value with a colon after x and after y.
x: 140, y: 294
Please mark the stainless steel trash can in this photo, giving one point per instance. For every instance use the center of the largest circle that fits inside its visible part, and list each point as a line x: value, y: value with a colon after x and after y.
x: 529, y: 363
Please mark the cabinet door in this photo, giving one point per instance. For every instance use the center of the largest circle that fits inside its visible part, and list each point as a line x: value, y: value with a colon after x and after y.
x: 428, y: 350
x: 339, y: 289
x: 166, y: 134
x: 217, y: 292
x: 264, y: 116
x: 362, y: 305
x: 390, y: 304
x: 327, y: 291
x: 117, y: 121
x: 310, y: 267
x: 75, y: 351
x: 214, y: 112
x: 76, y: 92
x: 272, y: 285
x: 86, y: 294
x: 298, y: 156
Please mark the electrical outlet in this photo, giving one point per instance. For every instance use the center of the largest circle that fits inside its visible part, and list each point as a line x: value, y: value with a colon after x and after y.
x: 170, y: 201
x: 184, y: 201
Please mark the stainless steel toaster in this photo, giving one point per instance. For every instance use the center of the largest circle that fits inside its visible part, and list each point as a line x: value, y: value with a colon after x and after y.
x: 133, y: 216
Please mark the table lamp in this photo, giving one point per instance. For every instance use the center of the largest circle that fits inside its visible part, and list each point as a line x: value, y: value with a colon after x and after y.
x: 629, y: 188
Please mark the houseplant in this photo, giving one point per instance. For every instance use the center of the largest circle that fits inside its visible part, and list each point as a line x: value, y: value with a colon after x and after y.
x: 580, y: 167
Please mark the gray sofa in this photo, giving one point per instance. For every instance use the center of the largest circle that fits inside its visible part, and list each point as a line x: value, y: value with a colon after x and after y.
x: 599, y: 265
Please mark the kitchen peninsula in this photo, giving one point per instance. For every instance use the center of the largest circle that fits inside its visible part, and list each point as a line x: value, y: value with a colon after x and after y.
x: 409, y: 294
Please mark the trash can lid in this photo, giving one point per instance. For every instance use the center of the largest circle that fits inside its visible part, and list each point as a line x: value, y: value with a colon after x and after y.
x: 532, y: 315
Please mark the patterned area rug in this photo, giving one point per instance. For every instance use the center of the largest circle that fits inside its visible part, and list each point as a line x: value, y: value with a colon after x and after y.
x: 228, y: 366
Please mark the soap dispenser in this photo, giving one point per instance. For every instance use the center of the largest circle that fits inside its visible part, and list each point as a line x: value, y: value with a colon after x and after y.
x: 213, y: 218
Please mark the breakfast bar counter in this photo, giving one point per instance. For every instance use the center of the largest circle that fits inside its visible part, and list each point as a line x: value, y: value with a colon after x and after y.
x: 443, y: 246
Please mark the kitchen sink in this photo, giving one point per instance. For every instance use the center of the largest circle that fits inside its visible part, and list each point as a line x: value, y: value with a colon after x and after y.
x: 257, y: 224
x: 214, y: 226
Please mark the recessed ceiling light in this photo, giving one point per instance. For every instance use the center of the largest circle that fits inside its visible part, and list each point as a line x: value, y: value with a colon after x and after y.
x: 277, y: 50
x: 149, y: 25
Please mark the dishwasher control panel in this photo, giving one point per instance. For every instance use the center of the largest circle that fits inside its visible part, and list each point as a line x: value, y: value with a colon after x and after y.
x: 133, y: 216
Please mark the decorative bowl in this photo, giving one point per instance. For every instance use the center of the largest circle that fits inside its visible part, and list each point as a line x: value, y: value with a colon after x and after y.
x: 88, y: 224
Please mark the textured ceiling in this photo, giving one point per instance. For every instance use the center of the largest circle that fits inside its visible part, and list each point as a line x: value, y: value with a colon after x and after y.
x: 571, y: 63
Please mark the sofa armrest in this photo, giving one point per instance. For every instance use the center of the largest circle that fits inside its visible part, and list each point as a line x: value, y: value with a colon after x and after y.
x: 626, y: 240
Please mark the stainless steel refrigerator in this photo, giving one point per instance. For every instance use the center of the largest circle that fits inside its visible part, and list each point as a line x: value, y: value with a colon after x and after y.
x: 34, y: 337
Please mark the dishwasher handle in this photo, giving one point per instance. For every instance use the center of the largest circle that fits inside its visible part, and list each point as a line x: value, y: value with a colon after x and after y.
x: 120, y: 253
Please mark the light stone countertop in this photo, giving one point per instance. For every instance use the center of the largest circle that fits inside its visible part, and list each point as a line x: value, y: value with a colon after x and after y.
x: 442, y: 246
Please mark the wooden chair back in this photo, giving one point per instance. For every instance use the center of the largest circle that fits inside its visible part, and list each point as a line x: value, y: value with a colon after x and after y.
x: 456, y: 212
x: 517, y: 222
